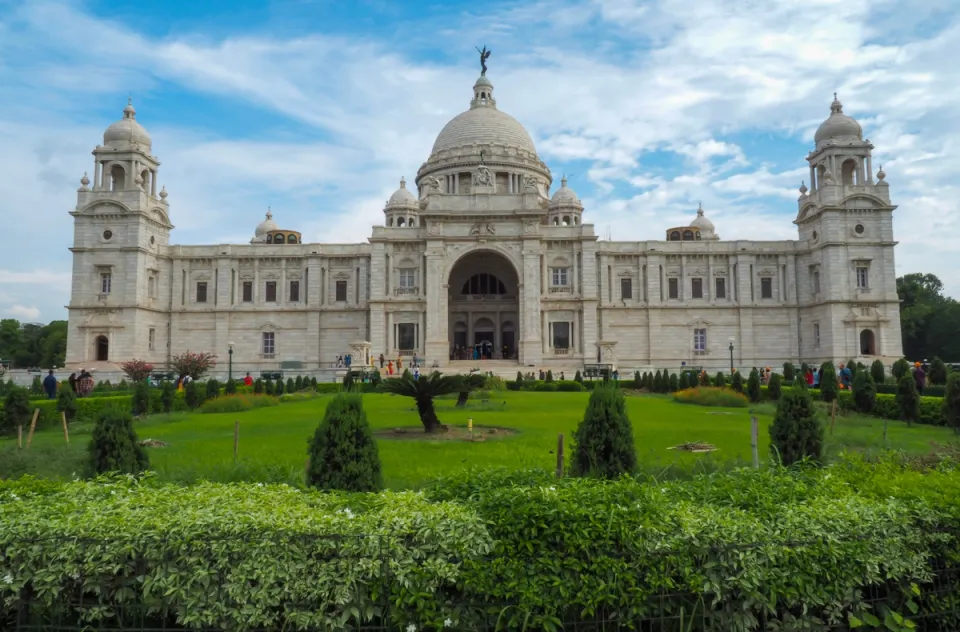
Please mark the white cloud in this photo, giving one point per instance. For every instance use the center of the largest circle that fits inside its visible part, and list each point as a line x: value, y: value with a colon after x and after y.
x: 21, y: 312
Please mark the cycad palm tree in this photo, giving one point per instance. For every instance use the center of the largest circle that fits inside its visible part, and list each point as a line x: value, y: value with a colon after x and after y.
x: 423, y: 391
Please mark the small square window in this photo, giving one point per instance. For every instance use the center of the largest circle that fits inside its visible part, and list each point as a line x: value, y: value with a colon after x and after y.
x: 626, y: 289
x: 201, y: 291
x: 696, y: 288
x: 248, y: 291
x: 271, y: 295
x: 294, y: 291
x: 341, y: 291
x: 673, y: 286
x: 721, y: 288
x: 559, y: 276
x: 766, y: 287
x: 407, y: 278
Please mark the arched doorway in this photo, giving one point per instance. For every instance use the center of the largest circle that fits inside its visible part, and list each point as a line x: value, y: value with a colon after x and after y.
x: 868, y: 343
x: 103, y: 349
x: 484, y: 301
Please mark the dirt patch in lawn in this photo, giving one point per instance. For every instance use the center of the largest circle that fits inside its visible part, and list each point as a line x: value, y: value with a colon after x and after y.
x: 153, y: 443
x: 695, y: 446
x: 447, y: 433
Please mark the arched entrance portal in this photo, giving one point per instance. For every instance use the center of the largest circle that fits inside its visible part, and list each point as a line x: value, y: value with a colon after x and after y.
x: 868, y: 343
x: 483, y: 300
x: 103, y: 349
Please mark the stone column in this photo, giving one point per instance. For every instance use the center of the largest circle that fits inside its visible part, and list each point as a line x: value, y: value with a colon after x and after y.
x: 575, y: 280
x: 437, y: 346
x: 390, y: 342
x: 545, y: 328
x: 530, y: 337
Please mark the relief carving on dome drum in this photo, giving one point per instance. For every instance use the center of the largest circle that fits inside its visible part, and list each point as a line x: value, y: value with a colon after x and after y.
x: 483, y: 177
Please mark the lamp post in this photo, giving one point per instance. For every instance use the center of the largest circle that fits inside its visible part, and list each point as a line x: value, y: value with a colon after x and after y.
x: 230, y: 361
x: 731, y: 357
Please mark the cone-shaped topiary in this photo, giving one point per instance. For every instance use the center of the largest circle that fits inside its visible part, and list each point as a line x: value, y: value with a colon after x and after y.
x: 268, y: 387
x: 674, y: 383
x: 192, y: 394
x: 637, y: 380
x: 278, y: 386
x: 313, y: 381
x: 774, y: 386
x: 938, y: 372
x: 141, y: 398
x: 657, y: 382
x: 167, y: 394
x: 796, y: 433
x: 908, y: 400
x: 789, y: 372
x: 114, y: 446
x: 576, y: 378
x: 230, y: 388
x: 877, y: 372
x: 736, y: 382
x: 258, y: 386
x: 684, y: 382
x: 720, y: 381
x: 549, y: 376
x: 828, y: 382
x: 852, y: 365
x: 343, y: 454
x: 16, y: 410
x: 519, y: 381
x: 298, y: 384
x: 67, y: 402
x: 900, y: 368
x: 291, y: 385
x: 213, y: 389
x: 951, y: 401
x: 603, y: 443
x: 348, y: 381
x: 753, y: 386
x: 864, y: 392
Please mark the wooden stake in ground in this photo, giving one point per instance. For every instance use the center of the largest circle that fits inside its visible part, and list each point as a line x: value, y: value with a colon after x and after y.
x: 63, y: 418
x: 560, y: 455
x: 833, y: 415
x: 33, y: 426
x: 19, y: 436
x: 754, y: 447
x: 236, y: 440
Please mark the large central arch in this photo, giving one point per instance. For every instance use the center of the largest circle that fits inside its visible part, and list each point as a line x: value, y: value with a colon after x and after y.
x: 483, y: 307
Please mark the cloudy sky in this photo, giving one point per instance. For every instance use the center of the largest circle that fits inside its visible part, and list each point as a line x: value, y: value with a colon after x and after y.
x: 316, y: 108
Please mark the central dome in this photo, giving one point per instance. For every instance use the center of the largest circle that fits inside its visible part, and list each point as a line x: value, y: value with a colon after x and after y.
x: 483, y: 126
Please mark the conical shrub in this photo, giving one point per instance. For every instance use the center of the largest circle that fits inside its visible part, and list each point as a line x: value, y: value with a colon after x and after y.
x: 114, y: 446
x: 796, y: 433
x: 343, y: 454
x: 603, y: 444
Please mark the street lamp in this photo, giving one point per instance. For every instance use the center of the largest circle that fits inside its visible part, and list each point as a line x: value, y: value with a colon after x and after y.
x: 230, y: 362
x: 731, y: 357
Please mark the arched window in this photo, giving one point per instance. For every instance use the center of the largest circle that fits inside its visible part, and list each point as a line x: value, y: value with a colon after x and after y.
x: 848, y: 172
x: 390, y: 222
x: 118, y: 178
x: 688, y: 235
x: 402, y: 221
x: 103, y: 349
x: 145, y: 184
x: 566, y: 220
x: 484, y: 284
x: 698, y: 235
x: 269, y: 239
x: 291, y: 239
x: 576, y: 220
x: 675, y: 235
x: 411, y: 222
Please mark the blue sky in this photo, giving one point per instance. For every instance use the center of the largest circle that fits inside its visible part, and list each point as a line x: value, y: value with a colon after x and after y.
x: 317, y: 108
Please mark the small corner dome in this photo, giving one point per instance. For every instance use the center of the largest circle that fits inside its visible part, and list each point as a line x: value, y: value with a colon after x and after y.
x: 402, y: 196
x: 701, y: 222
x: 838, y: 125
x: 127, y: 129
x: 564, y: 195
x: 265, y: 226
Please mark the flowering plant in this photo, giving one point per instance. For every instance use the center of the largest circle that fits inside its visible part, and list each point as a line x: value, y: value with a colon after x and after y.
x: 137, y: 370
x: 195, y: 365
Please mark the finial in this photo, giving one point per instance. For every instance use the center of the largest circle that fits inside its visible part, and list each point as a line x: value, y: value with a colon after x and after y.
x: 129, y: 112
x: 699, y: 209
x: 563, y: 180
x: 163, y: 192
x: 403, y: 182
x: 484, y: 56
x: 269, y: 213
x: 881, y: 174
x: 836, y: 107
x: 84, y: 180
x: 803, y: 188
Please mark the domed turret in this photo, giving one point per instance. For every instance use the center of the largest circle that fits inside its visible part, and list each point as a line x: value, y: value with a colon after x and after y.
x: 268, y: 233
x: 700, y: 229
x: 401, y: 209
x: 264, y: 227
x: 565, y: 208
x: 127, y: 131
x: 838, y: 126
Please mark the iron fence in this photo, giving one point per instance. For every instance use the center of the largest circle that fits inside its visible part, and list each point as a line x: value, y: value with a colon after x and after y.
x: 124, y: 600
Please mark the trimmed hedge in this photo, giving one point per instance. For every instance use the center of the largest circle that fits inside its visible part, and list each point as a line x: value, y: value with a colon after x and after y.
x: 931, y: 408
x: 89, y: 408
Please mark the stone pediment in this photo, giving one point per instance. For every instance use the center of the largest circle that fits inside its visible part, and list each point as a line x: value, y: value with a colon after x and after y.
x: 698, y: 323
x: 269, y: 326
x: 103, y: 319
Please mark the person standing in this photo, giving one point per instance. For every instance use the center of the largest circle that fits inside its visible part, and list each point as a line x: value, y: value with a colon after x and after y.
x: 247, y: 380
x: 846, y: 377
x: 50, y: 385
x: 920, y: 377
x: 72, y: 380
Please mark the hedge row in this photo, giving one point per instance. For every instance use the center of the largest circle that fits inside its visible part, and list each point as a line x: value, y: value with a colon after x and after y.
x: 770, y: 549
x: 931, y: 408
x: 88, y: 408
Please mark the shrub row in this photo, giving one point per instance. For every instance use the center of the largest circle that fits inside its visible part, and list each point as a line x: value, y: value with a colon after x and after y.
x: 931, y: 408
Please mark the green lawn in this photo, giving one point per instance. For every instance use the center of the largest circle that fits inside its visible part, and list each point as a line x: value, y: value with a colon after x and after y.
x: 273, y: 440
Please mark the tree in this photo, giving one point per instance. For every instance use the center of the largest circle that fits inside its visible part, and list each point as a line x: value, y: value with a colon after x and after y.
x: 852, y: 365
x: 828, y: 383
x: 900, y: 368
x: 549, y: 376
x: 423, y: 391
x: 657, y: 383
x: 796, y: 433
x: 737, y: 382
x: 576, y: 378
x: 298, y: 383
x: 291, y: 386
x: 720, y: 380
x: 16, y: 410
x: 637, y: 380
x: 938, y: 371
x: 864, y: 392
x: 192, y: 394
x: 951, y: 401
x: 347, y: 382
x: 920, y: 299
x: 774, y: 387
x: 753, y: 386
x: 704, y: 379
x: 603, y: 444
x: 313, y: 380
x: 908, y: 400
x: 674, y: 383
x: 196, y: 365
x: 230, y: 388
x: 375, y: 379
x: 468, y: 384
x: 342, y: 452
x: 67, y: 403
x: 141, y: 398
x: 137, y: 370
x: 789, y: 372
x: 684, y: 382
x: 877, y: 372
x: 114, y: 446
x: 519, y: 381
x: 278, y: 385
x: 36, y: 386
x: 213, y: 389
x: 167, y: 394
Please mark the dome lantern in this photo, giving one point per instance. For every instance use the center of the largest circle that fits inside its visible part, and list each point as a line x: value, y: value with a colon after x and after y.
x: 127, y: 130
x: 838, y: 126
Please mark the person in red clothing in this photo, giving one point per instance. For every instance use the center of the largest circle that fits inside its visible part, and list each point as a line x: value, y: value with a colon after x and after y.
x: 809, y: 378
x: 247, y: 380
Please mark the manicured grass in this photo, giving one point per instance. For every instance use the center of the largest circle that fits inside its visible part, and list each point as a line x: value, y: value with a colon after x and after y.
x: 273, y: 440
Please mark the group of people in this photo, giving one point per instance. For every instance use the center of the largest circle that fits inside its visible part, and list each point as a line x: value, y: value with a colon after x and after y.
x: 81, y: 384
x: 389, y: 366
x: 480, y: 351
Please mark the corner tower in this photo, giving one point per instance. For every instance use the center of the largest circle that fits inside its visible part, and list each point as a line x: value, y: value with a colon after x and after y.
x: 121, y: 227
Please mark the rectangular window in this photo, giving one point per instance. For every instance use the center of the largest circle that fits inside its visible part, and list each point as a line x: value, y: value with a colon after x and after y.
x: 626, y: 289
x: 561, y: 335
x: 816, y: 281
x: 696, y: 288
x: 700, y: 341
x: 201, y: 291
x: 673, y: 285
x: 766, y: 287
x: 407, y: 277
x: 863, y: 277
x: 151, y: 338
x: 406, y: 336
x: 816, y: 335
x: 269, y: 344
x: 271, y: 294
x: 248, y: 291
x: 294, y: 291
x: 721, y: 288
x: 559, y: 276
x: 341, y: 291
x: 151, y: 287
x: 105, y: 282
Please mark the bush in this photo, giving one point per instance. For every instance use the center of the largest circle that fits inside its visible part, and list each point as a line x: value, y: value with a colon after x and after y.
x: 576, y: 378
x: 114, y: 446
x: 720, y: 381
x: 938, y: 372
x: 877, y: 372
x: 796, y: 433
x: 864, y: 392
x: 192, y: 394
x: 828, y: 383
x: 569, y: 386
x: 298, y: 383
x: 291, y: 386
x: 16, y: 410
x: 951, y: 402
x: 313, y: 380
x: 908, y: 400
x: 268, y: 387
x: 278, y: 385
x: 141, y: 398
x: 549, y: 376
x: 230, y: 388
x: 775, y: 386
x: 342, y: 453
x: 67, y: 403
x: 603, y: 444
x: 238, y: 403
x: 683, y: 383
x: 753, y: 386
x: 789, y: 372
x: 900, y: 368
x: 167, y: 394
x: 136, y: 370
x: 711, y: 396
x: 736, y: 382
x: 212, y: 388
x: 674, y: 383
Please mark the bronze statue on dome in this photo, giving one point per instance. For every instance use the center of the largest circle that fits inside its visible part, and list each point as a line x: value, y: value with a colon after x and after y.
x: 484, y: 56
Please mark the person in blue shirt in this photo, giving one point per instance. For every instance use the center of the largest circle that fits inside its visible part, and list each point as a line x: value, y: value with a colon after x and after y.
x: 50, y: 385
x: 846, y: 376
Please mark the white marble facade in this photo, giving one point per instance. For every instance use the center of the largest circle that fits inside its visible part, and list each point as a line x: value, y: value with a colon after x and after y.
x: 479, y: 250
